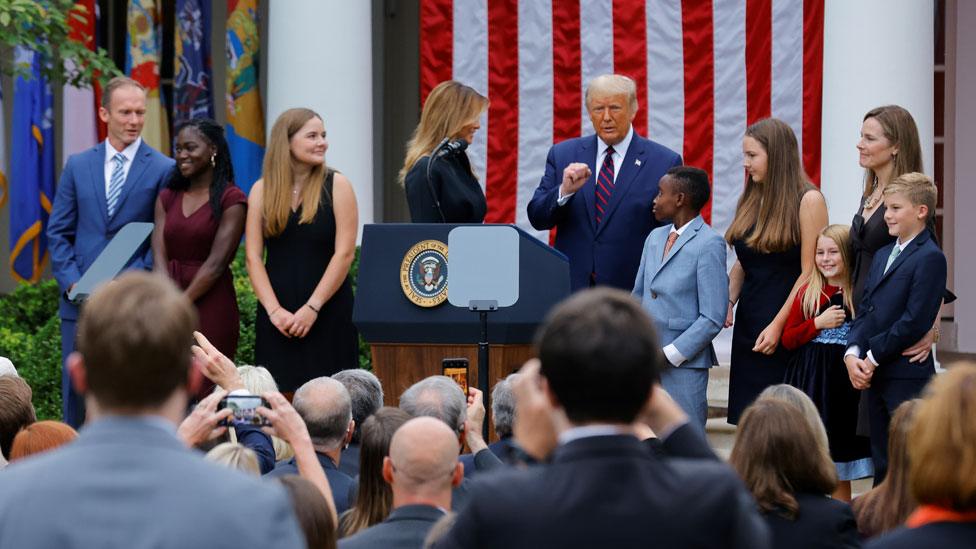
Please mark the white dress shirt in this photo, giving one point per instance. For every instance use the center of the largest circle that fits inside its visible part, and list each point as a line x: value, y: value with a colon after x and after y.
x: 129, y: 153
x: 671, y: 352
x: 619, y: 153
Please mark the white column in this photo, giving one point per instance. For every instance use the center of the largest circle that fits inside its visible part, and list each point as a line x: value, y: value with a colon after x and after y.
x: 876, y: 52
x: 320, y: 57
x: 965, y: 165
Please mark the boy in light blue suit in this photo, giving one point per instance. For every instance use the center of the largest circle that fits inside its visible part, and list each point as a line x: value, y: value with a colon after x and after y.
x: 683, y: 284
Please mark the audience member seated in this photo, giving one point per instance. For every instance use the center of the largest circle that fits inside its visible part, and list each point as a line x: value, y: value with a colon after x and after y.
x: 6, y: 367
x: 888, y: 504
x: 667, y: 431
x: 421, y: 469
x: 796, y: 397
x: 16, y: 411
x: 373, y: 495
x: 366, y: 394
x: 129, y: 479
x: 942, y: 467
x: 323, y: 403
x: 235, y: 455
x: 599, y: 359
x: 40, y: 437
x: 440, y: 397
x: 312, y: 512
x: 790, y: 473
x: 258, y: 380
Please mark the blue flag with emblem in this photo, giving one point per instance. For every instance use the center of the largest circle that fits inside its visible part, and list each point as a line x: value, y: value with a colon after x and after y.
x: 32, y: 175
x: 193, y: 85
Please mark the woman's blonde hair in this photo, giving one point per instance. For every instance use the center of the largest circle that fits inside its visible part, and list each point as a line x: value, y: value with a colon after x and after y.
x: 235, y: 456
x: 942, y: 456
x: 810, y: 299
x: 768, y: 213
x: 900, y: 130
x: 449, y: 108
x: 278, y: 174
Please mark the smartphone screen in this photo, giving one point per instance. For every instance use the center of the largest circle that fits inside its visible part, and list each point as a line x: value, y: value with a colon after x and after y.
x: 244, y: 408
x: 457, y: 369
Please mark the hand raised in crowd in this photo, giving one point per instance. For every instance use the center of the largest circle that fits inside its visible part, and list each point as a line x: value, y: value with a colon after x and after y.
x: 475, y: 421
x: 921, y: 349
x: 661, y: 413
x: 768, y: 339
x: 217, y: 367
x: 281, y: 319
x: 201, y: 425
x: 574, y: 176
x: 536, y: 428
x: 833, y: 317
x: 860, y: 371
x: 301, y: 321
x: 287, y: 425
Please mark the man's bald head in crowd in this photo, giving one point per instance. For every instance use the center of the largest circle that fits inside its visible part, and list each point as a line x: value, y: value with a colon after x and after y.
x: 325, y: 407
x: 423, y: 461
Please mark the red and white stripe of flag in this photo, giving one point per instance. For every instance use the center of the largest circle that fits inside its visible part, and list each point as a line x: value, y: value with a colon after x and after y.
x: 705, y: 69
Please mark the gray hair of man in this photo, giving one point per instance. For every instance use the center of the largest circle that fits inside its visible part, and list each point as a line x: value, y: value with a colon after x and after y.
x: 438, y: 397
x: 325, y: 407
x: 7, y: 368
x: 366, y: 393
x: 503, y: 406
x: 612, y: 84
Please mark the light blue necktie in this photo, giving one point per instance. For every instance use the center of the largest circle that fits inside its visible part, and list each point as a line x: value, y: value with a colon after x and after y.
x: 891, y: 258
x: 115, y: 183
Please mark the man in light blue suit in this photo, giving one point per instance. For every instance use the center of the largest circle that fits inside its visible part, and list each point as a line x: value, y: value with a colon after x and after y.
x: 129, y: 480
x: 597, y: 190
x: 683, y: 284
x: 100, y: 191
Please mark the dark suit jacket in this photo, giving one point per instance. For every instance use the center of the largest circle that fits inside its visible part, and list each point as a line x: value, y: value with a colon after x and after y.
x: 405, y: 528
x: 613, y: 249
x: 822, y: 522
x: 687, y: 441
x: 340, y: 482
x: 349, y: 464
x: 899, y: 307
x: 80, y: 228
x: 609, y: 491
x: 129, y: 482
x: 937, y: 535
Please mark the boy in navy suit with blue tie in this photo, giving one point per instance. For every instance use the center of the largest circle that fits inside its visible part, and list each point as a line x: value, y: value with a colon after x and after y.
x: 901, y: 299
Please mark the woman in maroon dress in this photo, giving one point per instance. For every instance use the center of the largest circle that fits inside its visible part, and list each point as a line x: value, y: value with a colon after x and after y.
x: 199, y: 221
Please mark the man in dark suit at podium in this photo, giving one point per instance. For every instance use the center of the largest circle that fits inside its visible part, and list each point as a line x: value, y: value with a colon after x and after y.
x: 101, y: 190
x: 597, y: 190
x: 599, y: 360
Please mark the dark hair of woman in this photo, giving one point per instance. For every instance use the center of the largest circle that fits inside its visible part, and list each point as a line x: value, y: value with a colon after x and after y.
x: 777, y: 455
x: 888, y: 504
x: 223, y: 169
x: 312, y: 512
x: 374, y: 499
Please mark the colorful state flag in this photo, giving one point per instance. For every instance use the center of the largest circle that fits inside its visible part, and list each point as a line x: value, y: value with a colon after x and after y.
x: 32, y: 176
x: 192, y: 87
x: 704, y: 69
x: 143, y: 50
x: 245, y: 117
x: 80, y: 111
x: 3, y: 158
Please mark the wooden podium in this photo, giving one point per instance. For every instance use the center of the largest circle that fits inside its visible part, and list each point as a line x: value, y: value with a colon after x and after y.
x: 402, y: 312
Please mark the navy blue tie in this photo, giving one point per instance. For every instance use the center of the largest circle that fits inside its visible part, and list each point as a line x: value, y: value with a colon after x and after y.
x: 604, y: 185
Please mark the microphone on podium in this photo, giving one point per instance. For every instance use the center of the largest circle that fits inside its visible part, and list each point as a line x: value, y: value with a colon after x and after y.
x: 450, y: 147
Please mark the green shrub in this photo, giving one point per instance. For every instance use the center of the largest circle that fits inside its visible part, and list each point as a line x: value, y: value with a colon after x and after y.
x: 30, y: 334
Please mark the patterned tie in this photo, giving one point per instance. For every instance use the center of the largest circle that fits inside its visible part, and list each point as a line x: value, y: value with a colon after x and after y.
x: 604, y: 185
x: 115, y: 183
x: 891, y: 258
x: 671, y: 239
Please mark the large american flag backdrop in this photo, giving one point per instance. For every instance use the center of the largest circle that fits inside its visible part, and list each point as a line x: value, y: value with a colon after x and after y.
x: 705, y: 69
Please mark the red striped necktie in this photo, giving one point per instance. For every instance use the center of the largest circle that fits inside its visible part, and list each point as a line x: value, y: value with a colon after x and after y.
x: 604, y: 185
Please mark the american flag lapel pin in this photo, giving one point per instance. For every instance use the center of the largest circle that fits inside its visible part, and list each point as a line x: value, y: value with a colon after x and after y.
x: 637, y: 162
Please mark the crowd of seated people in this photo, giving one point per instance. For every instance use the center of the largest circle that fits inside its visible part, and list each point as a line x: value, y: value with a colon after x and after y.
x: 592, y: 452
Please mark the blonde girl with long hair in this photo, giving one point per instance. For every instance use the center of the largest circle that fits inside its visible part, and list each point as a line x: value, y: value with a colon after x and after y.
x: 774, y: 234
x: 440, y: 185
x: 817, y: 329
x: 304, y: 215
